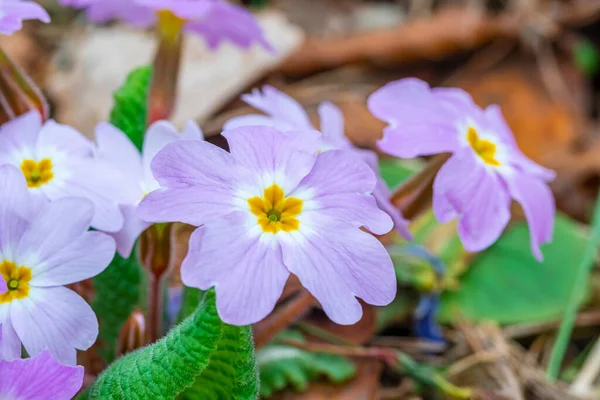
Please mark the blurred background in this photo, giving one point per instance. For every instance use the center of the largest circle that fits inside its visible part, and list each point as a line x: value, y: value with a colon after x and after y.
x: 463, y: 325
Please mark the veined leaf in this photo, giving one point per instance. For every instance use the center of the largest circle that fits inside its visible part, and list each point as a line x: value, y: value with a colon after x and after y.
x: 130, y: 111
x: 282, y: 366
x: 201, y: 349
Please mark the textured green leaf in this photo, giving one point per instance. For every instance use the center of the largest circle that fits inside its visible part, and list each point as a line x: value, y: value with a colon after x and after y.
x: 117, y: 294
x: 190, y: 299
x: 507, y: 285
x: 282, y: 366
x: 200, y: 349
x: 130, y: 110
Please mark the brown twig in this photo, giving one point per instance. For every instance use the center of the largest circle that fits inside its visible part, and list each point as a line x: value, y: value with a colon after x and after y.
x: 282, y: 318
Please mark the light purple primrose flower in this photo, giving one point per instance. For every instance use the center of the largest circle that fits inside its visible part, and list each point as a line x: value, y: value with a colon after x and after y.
x: 3, y: 287
x: 485, y: 171
x: 215, y: 20
x: 285, y: 113
x: 44, y: 247
x: 270, y: 207
x: 39, y: 378
x: 14, y: 12
x: 57, y: 162
x: 116, y: 149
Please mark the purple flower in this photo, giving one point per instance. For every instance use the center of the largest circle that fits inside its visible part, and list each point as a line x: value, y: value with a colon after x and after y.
x: 3, y: 287
x: 485, y: 171
x: 14, y: 12
x: 285, y: 113
x: 270, y: 207
x: 37, y: 378
x: 116, y: 149
x: 57, y: 162
x: 43, y: 248
x: 215, y: 20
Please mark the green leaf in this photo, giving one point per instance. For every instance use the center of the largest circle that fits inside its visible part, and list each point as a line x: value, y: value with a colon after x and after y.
x: 201, y: 349
x: 282, y: 366
x: 190, y: 299
x: 117, y: 294
x: 507, y: 285
x: 586, y: 57
x: 130, y: 111
x: 395, y: 171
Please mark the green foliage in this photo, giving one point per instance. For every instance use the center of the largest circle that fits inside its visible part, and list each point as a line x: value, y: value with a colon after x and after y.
x: 189, y: 302
x: 130, y: 111
x: 282, y: 366
x: 507, y: 285
x: 395, y: 171
x: 586, y: 57
x: 117, y: 293
x: 202, y: 349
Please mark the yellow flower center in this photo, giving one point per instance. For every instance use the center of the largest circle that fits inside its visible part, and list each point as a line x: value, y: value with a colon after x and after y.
x: 485, y: 149
x: 17, y: 279
x: 275, y: 212
x: 169, y: 25
x: 37, y: 173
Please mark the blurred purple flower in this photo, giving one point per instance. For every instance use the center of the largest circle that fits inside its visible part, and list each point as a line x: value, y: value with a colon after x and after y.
x: 42, y: 249
x: 285, y: 113
x: 14, y: 12
x: 215, y: 20
x: 271, y: 207
x: 485, y: 171
x: 3, y: 287
x: 115, y: 148
x: 57, y: 162
x: 40, y: 377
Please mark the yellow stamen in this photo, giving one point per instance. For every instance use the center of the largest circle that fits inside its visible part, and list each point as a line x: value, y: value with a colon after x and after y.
x: 17, y: 279
x: 485, y: 149
x: 275, y: 212
x: 169, y: 25
x: 37, y: 173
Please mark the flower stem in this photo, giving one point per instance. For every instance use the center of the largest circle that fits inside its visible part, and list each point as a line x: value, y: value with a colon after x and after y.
x: 581, y: 275
x: 282, y: 318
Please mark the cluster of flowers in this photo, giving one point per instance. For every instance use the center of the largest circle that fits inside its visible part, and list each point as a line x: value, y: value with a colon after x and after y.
x: 285, y: 199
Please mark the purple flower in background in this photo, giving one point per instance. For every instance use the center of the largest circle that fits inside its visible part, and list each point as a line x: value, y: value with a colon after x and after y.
x: 271, y: 207
x: 14, y: 12
x: 215, y: 20
x: 38, y: 378
x: 485, y: 171
x: 43, y: 248
x: 116, y: 149
x: 285, y: 113
x: 57, y: 162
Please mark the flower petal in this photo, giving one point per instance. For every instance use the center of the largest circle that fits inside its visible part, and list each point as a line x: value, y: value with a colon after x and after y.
x: 538, y: 204
x: 55, y: 318
x: 419, y: 123
x: 336, y: 261
x: 40, y: 377
x: 159, y: 135
x: 467, y: 189
x: 54, y: 227
x: 272, y: 156
x: 332, y: 125
x: 382, y: 196
x: 132, y: 229
x: 85, y: 257
x: 16, y: 208
x: 19, y: 135
x: 279, y: 106
x: 340, y: 185
x: 247, y: 272
x: 115, y: 147
x: 10, y: 345
x: 56, y: 136
x: 3, y: 287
